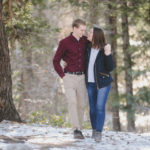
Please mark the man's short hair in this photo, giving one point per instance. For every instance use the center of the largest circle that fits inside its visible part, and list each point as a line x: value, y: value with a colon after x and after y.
x: 76, y: 23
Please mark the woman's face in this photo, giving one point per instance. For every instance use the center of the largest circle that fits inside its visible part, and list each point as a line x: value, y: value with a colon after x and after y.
x: 90, y: 35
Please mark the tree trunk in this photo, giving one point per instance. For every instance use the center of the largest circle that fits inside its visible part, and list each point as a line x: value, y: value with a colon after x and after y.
x: 94, y: 11
x: 7, y: 107
x: 112, y: 28
x: 128, y: 68
x: 76, y: 9
x: 26, y: 79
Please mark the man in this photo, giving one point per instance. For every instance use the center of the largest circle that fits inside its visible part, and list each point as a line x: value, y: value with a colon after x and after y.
x: 72, y: 50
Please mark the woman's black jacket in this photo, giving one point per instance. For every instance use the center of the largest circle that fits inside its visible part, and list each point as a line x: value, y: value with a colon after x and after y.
x: 102, y: 67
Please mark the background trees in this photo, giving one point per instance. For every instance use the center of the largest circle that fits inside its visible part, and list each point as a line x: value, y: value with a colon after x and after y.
x: 34, y: 28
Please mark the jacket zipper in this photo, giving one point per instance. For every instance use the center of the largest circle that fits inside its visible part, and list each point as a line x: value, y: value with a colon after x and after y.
x: 96, y: 76
x: 87, y: 66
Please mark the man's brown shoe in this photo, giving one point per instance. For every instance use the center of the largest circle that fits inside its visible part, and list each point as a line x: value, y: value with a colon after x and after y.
x: 78, y: 134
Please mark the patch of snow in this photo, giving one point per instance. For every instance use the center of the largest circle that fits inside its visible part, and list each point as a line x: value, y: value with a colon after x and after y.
x: 15, y: 136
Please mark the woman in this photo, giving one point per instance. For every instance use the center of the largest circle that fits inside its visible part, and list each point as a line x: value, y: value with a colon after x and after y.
x: 99, y: 63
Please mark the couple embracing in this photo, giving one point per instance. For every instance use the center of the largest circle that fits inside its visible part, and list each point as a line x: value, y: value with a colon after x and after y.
x: 88, y: 66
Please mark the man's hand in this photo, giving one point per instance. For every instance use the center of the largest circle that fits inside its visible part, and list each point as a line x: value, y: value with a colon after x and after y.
x: 64, y: 64
x: 107, y: 49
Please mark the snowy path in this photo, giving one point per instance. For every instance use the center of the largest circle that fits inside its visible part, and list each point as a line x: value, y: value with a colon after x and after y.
x: 15, y: 136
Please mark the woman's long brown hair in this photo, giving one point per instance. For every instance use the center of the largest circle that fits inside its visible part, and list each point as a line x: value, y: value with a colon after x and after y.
x: 98, y: 40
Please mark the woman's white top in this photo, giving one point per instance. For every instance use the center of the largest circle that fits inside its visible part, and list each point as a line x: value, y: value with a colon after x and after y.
x: 93, y: 56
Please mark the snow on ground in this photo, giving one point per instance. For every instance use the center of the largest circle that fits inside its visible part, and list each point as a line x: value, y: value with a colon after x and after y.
x: 15, y: 136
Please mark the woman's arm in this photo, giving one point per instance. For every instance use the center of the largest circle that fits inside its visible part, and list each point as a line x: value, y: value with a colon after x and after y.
x: 109, y: 64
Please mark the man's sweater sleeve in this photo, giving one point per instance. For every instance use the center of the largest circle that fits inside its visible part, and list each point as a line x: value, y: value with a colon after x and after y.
x: 57, y: 58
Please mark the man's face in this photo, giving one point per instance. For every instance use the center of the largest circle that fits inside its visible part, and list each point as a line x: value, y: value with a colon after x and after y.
x: 80, y: 31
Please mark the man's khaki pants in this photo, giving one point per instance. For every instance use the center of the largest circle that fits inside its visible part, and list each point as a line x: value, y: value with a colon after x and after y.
x: 76, y: 95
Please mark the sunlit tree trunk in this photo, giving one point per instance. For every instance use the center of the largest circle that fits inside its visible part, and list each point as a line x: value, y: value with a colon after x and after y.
x: 26, y: 78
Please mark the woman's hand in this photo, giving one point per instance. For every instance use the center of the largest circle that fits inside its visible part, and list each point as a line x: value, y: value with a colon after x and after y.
x: 107, y: 49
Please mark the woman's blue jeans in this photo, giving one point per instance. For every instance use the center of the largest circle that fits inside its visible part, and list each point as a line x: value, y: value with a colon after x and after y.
x: 97, y: 102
